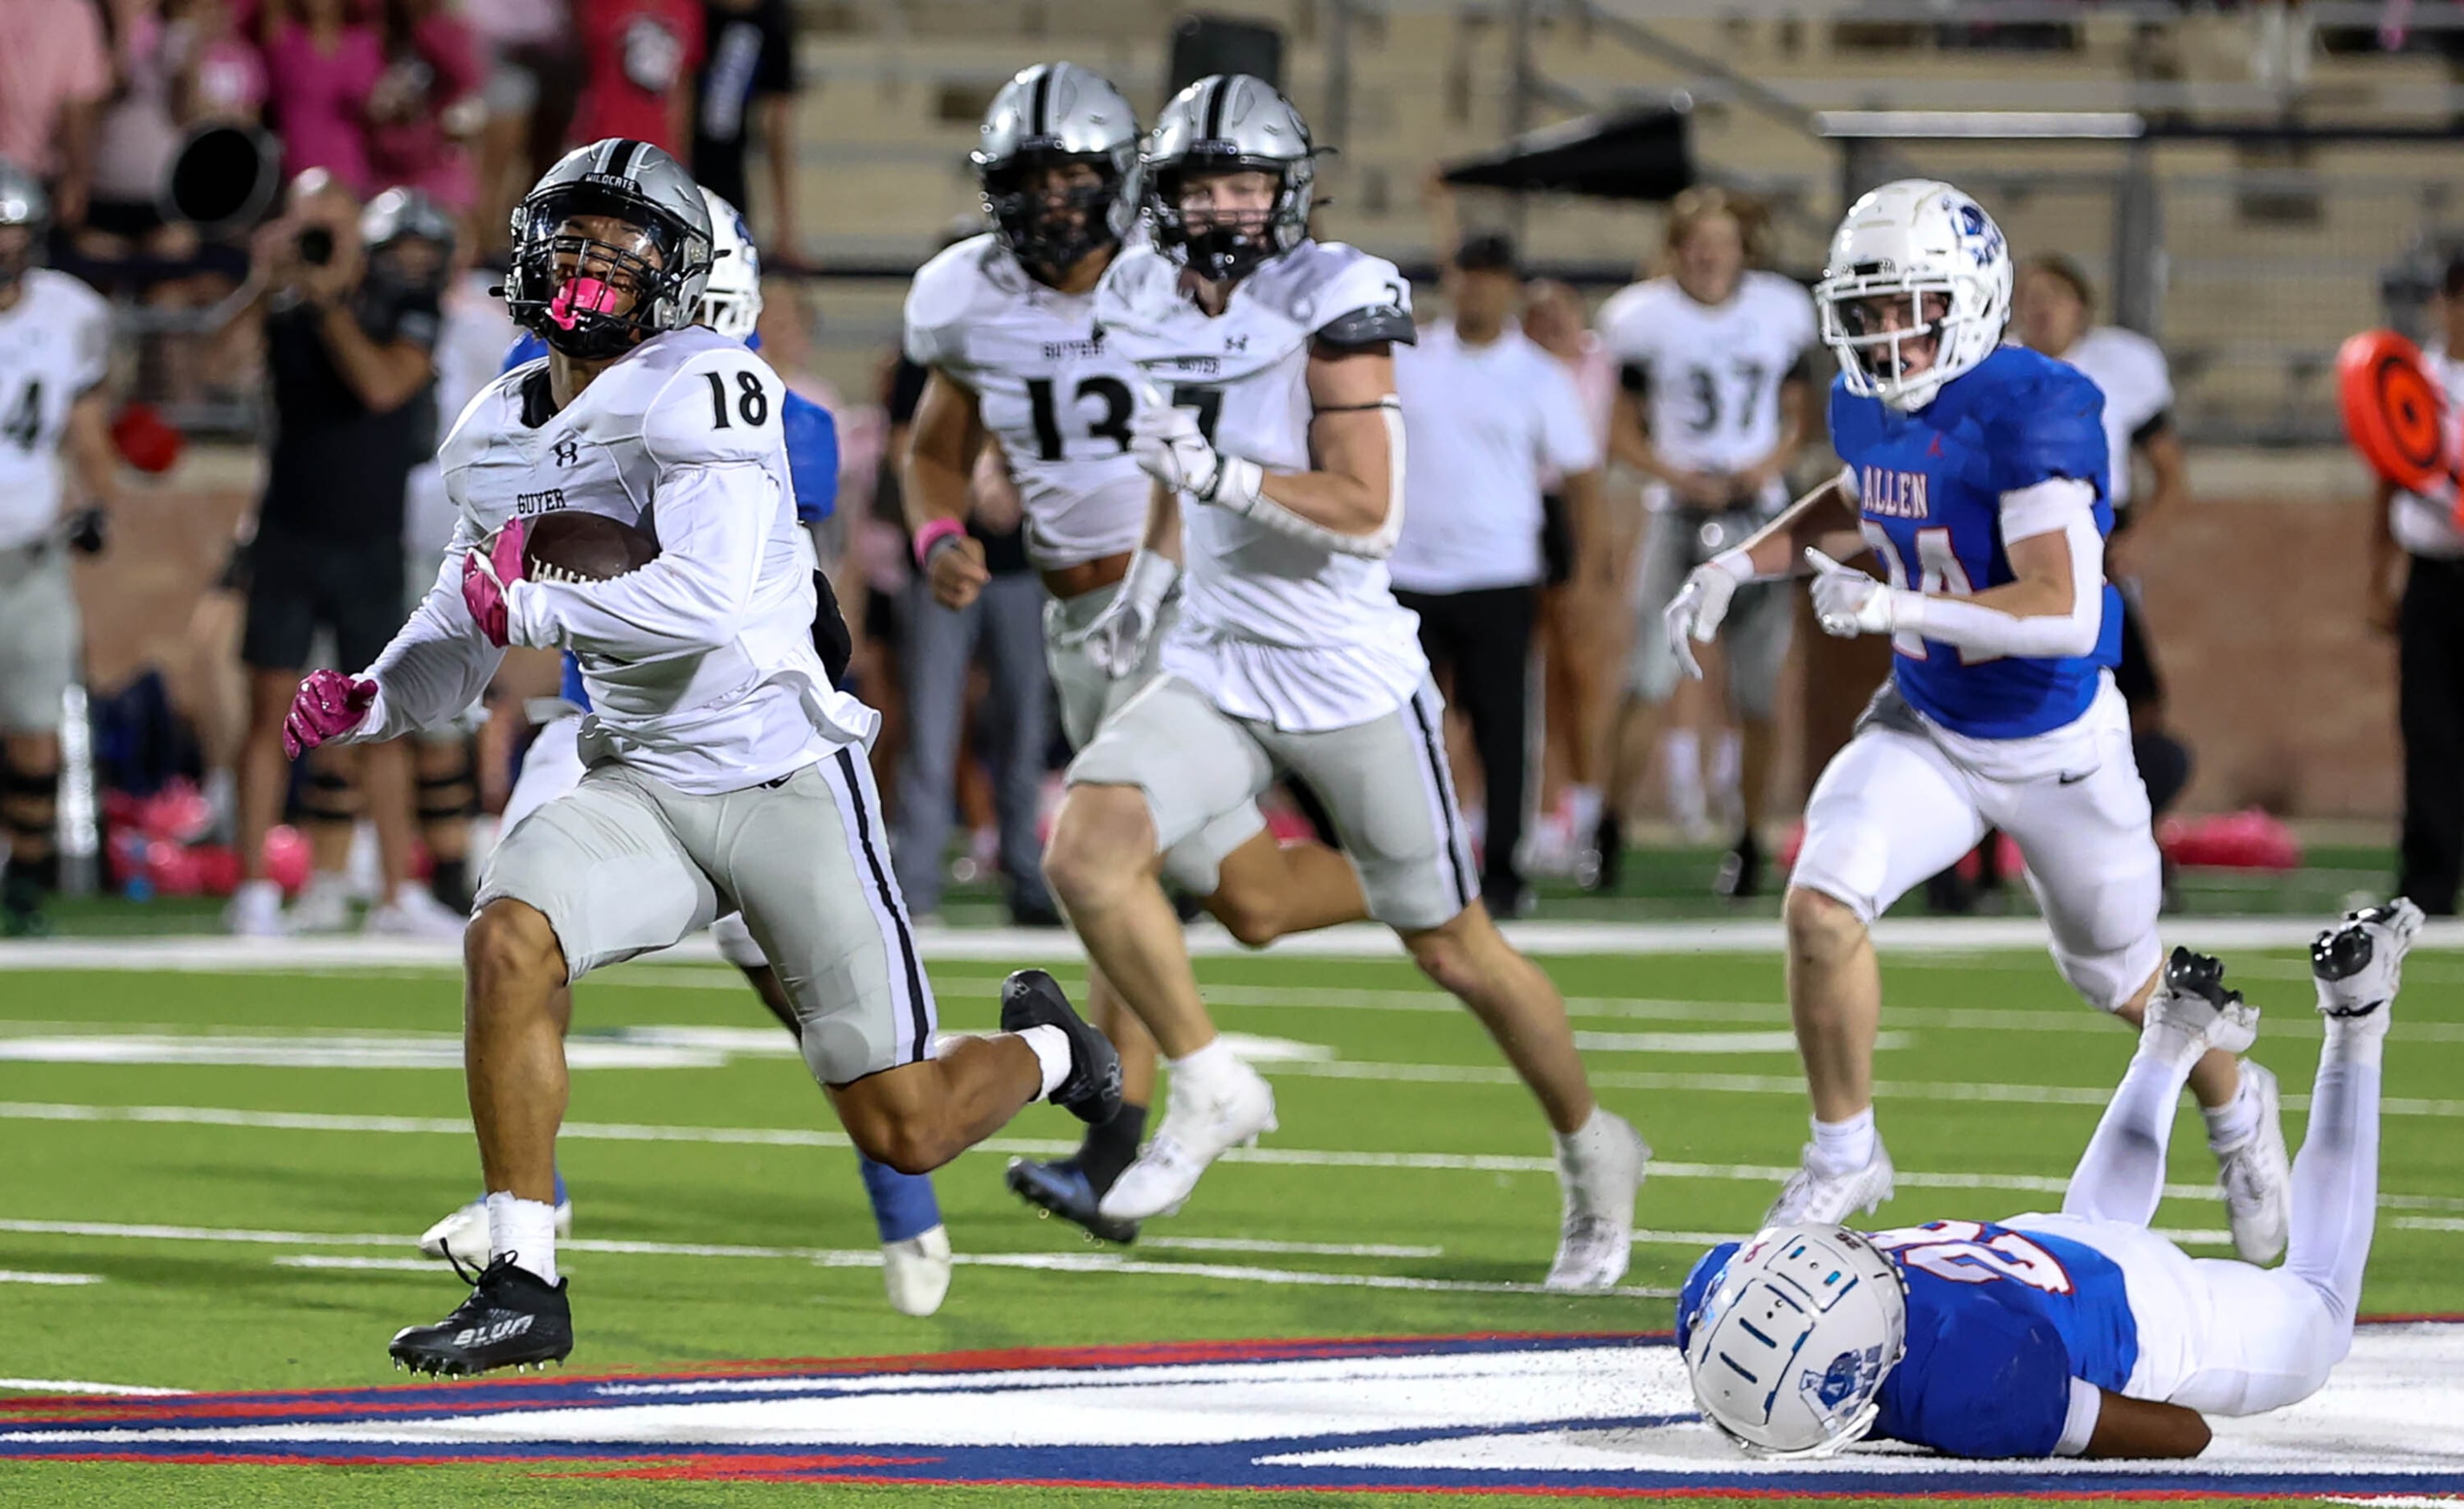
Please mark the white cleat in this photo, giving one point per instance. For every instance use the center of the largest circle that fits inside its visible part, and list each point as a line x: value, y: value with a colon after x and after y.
x: 2257, y: 1174
x: 916, y: 1271
x: 2193, y: 1001
x: 1595, y: 1237
x: 1199, y: 1125
x: 413, y: 913
x: 254, y: 910
x: 324, y: 907
x: 1818, y: 1197
x: 2359, y: 965
x: 463, y: 1235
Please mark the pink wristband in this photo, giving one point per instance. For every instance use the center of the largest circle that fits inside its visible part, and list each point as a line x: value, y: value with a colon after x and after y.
x: 930, y: 537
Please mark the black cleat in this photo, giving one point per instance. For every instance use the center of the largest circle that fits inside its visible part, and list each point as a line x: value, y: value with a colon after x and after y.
x: 1605, y: 869
x: 1741, y: 869
x: 1063, y: 1188
x: 2202, y: 975
x: 1092, y: 1090
x: 2359, y: 965
x: 512, y: 1319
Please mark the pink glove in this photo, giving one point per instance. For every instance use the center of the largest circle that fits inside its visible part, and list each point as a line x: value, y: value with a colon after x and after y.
x: 328, y: 705
x: 487, y: 573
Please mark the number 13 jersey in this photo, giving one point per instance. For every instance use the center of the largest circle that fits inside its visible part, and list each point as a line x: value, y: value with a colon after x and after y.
x: 1049, y: 390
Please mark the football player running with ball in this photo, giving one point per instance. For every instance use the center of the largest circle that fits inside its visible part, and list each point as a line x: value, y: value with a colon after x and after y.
x: 724, y: 772
x: 1270, y: 421
x: 915, y: 1258
x: 1007, y: 323
x: 1977, y: 473
x: 2081, y: 1334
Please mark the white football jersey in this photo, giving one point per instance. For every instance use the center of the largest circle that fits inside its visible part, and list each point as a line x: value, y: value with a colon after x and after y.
x: 701, y: 665
x: 54, y: 348
x: 1059, y: 401
x: 1273, y: 628
x: 2129, y: 369
x: 1712, y: 373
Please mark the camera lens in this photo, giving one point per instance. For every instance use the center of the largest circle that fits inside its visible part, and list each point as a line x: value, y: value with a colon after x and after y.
x: 316, y: 246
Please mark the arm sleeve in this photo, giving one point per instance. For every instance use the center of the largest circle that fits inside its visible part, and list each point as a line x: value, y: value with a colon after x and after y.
x: 812, y: 458
x: 1997, y: 1385
x: 716, y: 497
x: 438, y: 663
x: 2060, y: 505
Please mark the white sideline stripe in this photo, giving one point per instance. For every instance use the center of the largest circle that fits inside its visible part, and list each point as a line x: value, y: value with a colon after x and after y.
x: 1274, y: 1157
x: 1911, y: 936
x: 828, y: 1257
x: 399, y: 1265
x: 1243, y: 1244
x: 2182, y: 1236
x: 80, y: 1386
x: 11, y: 1276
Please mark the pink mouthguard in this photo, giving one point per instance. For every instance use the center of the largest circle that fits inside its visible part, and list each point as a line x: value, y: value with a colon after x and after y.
x: 579, y: 295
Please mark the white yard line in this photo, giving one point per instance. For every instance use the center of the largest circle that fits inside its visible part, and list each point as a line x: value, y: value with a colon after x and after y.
x: 80, y: 1386
x: 2183, y: 1235
x: 1004, y: 1146
x: 11, y: 1276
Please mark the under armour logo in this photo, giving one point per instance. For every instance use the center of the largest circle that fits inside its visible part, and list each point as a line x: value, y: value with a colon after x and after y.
x: 1236, y: 342
x: 567, y: 451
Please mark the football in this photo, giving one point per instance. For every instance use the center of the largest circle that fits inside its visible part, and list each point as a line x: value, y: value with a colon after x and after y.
x: 576, y: 546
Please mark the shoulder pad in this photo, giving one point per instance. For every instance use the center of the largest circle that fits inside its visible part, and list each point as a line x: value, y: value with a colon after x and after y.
x: 945, y: 292
x: 2043, y: 419
x: 1627, y: 319
x: 1787, y: 299
x: 87, y: 314
x: 721, y: 405
x: 1346, y: 296
x: 1139, y: 292
x: 487, y: 415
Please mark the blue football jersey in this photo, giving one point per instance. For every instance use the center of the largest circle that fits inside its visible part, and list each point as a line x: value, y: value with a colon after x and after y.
x: 1931, y: 488
x: 2000, y: 1323
x: 812, y: 468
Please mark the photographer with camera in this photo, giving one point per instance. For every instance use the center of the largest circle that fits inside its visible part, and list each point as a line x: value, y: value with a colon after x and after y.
x: 349, y: 305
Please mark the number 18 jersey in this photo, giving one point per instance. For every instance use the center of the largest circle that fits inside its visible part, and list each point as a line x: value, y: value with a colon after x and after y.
x: 1049, y: 390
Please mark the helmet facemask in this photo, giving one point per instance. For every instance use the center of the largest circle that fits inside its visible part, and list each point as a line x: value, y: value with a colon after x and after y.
x: 596, y: 273
x: 1052, y: 209
x: 1222, y: 245
x: 21, y: 246
x: 1890, y: 333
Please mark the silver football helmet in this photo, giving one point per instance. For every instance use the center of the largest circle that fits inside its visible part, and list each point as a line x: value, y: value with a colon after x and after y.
x: 399, y: 216
x: 1048, y: 117
x: 1228, y: 122
x: 569, y: 285
x: 23, y: 204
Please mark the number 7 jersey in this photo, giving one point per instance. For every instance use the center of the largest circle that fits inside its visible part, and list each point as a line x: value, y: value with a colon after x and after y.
x: 1049, y: 390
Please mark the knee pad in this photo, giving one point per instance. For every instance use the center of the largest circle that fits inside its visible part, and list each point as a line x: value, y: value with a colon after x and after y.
x: 454, y: 795
x: 327, y: 796
x: 2165, y: 764
x: 29, y: 802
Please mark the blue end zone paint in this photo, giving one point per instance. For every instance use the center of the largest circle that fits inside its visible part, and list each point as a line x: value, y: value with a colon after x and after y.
x: 349, y: 1427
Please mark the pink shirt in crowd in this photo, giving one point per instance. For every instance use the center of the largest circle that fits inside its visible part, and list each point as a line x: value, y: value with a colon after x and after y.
x: 442, y: 68
x: 318, y: 94
x: 51, y: 56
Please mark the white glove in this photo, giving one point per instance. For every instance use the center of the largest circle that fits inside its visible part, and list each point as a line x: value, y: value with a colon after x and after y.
x: 1165, y: 439
x: 1847, y: 602
x: 1116, y: 641
x: 1695, y: 613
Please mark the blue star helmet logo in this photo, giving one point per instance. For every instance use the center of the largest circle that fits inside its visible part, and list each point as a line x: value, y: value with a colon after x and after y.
x: 1847, y: 1377
x: 1982, y: 237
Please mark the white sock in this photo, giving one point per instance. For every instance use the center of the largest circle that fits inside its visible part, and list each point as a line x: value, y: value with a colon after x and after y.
x: 1583, y: 811
x: 1681, y: 755
x: 526, y: 1228
x: 1584, y: 1145
x: 2359, y: 1040
x: 1052, y: 1055
x: 1845, y: 1147
x: 1727, y: 766
x: 1210, y: 1065
x: 2237, y: 1121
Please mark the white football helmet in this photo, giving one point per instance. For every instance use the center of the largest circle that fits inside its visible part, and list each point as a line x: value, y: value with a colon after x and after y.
x: 1929, y: 243
x: 730, y: 302
x: 1790, y: 1351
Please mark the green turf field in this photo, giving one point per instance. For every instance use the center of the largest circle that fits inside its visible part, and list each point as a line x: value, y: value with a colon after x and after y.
x: 206, y: 1200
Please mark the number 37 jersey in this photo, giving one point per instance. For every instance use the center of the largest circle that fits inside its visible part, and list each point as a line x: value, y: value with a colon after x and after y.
x: 1058, y: 401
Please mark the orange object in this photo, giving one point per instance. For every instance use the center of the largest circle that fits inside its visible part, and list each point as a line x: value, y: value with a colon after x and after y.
x: 2395, y: 413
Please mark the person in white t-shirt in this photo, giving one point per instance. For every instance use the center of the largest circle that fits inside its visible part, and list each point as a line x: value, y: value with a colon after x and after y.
x: 1486, y: 412
x: 1712, y: 359
x: 2050, y: 311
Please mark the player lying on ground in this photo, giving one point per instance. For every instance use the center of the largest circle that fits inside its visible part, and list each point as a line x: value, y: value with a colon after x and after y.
x: 2083, y: 1333
x: 1290, y: 653
x: 724, y: 772
x: 1977, y: 473
x: 1007, y: 323
x: 915, y: 1247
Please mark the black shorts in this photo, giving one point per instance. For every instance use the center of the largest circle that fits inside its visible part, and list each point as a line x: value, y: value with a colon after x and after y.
x: 297, y: 586
x: 2135, y: 677
x: 1556, y: 539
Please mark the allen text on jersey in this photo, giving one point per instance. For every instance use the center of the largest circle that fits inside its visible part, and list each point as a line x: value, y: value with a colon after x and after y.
x: 1887, y: 494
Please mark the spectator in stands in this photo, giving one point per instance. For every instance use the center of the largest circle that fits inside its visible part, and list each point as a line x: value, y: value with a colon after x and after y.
x: 748, y: 81
x: 1486, y: 412
x: 349, y: 325
x: 426, y: 106
x: 322, y: 62
x: 222, y: 75
x: 638, y: 62
x: 134, y: 139
x: 534, y: 70
x: 2417, y: 591
x: 2052, y: 310
x: 54, y: 74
